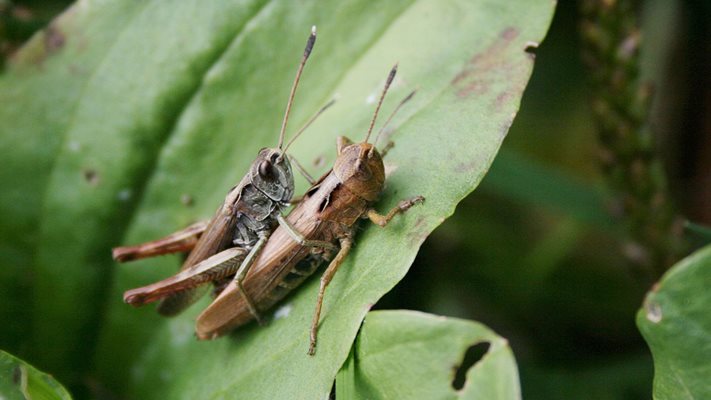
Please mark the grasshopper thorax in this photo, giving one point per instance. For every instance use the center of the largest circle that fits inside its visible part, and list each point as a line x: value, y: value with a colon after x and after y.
x: 360, y: 168
x: 271, y: 174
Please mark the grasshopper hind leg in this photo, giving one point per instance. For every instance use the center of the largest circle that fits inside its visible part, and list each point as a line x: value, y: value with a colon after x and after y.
x: 182, y: 289
x: 181, y: 241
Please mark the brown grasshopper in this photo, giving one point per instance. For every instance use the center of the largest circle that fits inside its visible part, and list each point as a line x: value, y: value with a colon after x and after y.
x: 236, y: 234
x: 326, y: 214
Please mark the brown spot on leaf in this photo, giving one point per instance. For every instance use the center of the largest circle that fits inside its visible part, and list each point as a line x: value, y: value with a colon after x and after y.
x: 319, y: 161
x: 418, y: 222
x: 509, y: 33
x: 501, y: 100
x: 186, y: 199
x: 17, y: 375
x: 420, y: 230
x: 474, y: 87
x: 53, y: 39
x: 91, y: 176
x: 486, y: 67
x: 465, y: 167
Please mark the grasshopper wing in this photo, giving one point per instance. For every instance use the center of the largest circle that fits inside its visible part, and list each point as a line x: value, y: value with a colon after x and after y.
x: 220, y: 265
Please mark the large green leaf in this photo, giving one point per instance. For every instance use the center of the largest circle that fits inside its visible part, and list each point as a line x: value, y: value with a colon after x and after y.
x: 676, y: 323
x: 19, y: 380
x: 411, y: 355
x: 120, y: 110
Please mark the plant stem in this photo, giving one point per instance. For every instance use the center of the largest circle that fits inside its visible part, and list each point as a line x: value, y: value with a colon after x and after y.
x: 620, y: 104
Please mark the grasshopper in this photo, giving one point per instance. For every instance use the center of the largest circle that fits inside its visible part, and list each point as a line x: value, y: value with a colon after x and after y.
x: 326, y: 214
x: 232, y: 239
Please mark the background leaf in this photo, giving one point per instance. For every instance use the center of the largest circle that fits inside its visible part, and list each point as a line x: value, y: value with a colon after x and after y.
x: 154, y: 110
x: 19, y: 380
x: 676, y: 323
x: 408, y: 355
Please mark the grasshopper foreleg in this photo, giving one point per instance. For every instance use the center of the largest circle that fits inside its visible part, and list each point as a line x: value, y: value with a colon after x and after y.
x: 299, y: 238
x: 346, y: 244
x: 403, y: 206
x: 242, y: 272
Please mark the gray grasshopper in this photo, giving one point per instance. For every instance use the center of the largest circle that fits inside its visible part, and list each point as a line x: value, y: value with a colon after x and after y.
x: 232, y: 239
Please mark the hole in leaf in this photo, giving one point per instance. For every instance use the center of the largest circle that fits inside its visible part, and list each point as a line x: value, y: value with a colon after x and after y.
x: 472, y: 356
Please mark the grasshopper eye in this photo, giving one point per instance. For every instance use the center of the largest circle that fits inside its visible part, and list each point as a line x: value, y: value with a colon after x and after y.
x: 265, y: 170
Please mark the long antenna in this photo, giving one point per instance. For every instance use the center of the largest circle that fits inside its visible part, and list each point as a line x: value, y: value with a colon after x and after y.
x: 308, y: 123
x: 391, y: 76
x: 387, y: 121
x: 307, y: 52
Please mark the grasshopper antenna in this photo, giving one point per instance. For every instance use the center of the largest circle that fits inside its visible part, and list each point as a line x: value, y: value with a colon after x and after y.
x: 387, y: 121
x: 307, y: 52
x: 308, y: 123
x: 391, y: 76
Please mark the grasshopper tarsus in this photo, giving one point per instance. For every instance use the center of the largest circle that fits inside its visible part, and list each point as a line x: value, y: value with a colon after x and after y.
x: 407, y: 203
x: 402, y: 206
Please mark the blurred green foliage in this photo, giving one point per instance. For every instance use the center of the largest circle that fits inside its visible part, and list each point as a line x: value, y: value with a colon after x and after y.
x: 533, y: 253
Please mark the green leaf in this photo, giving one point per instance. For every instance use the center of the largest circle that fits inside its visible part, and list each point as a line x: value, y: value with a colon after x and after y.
x: 19, y: 380
x: 676, y: 323
x: 412, y: 355
x: 701, y: 233
x: 120, y: 111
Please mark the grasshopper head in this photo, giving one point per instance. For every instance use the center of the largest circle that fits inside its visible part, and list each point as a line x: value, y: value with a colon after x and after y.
x: 271, y: 174
x: 360, y: 168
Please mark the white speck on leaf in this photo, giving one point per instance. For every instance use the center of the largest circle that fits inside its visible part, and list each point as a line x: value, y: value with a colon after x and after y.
x: 389, y: 169
x: 74, y: 146
x: 371, y: 98
x: 124, y: 194
x: 654, y: 312
x: 283, y: 311
x: 181, y: 332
